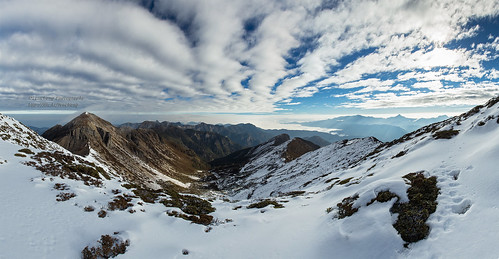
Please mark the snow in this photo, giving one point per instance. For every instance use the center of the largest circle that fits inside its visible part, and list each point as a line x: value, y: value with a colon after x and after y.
x: 34, y: 225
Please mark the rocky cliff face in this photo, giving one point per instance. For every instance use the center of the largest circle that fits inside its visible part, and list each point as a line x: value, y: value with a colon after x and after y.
x: 139, y: 155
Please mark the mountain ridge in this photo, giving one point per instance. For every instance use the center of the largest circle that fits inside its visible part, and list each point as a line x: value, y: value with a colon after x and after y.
x: 129, y: 152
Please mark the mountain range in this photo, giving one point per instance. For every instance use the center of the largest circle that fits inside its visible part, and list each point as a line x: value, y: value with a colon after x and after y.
x: 246, y: 134
x: 141, y: 192
x: 385, y: 129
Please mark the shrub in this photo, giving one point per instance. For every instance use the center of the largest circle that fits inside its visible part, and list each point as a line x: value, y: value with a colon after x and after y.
x: 64, y: 196
x: 294, y: 193
x: 19, y: 155
x: 401, y: 153
x: 265, y: 203
x: 120, y: 203
x: 201, y: 219
x: 481, y: 123
x: 345, y: 181
x: 383, y: 196
x: 188, y: 204
x: 445, y: 134
x: 61, y: 186
x: 129, y: 185
x: 108, y: 247
x: 102, y: 214
x: 26, y: 151
x: 83, y: 169
x: 345, y: 207
x: 332, y: 179
x: 88, y: 208
x: 411, y: 221
x: 147, y: 195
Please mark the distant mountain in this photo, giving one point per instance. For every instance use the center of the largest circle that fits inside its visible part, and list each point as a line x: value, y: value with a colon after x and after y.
x: 318, y: 141
x: 206, y: 144
x: 385, y: 129
x: 140, y: 155
x: 248, y: 135
x: 39, y: 130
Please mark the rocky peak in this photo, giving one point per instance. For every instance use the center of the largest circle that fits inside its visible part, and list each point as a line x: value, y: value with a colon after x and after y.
x: 297, y: 147
x: 81, y: 132
x: 140, y: 155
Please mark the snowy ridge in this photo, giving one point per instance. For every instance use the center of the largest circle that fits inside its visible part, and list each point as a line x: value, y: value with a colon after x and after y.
x: 16, y: 133
x: 268, y: 175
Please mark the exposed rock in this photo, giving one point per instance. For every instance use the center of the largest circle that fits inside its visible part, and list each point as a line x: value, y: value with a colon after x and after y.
x: 140, y: 155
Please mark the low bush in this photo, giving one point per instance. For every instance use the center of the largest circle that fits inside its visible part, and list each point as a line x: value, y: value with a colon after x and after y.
x: 345, y: 207
x: 26, y: 151
x: 202, y: 219
x: 411, y: 221
x: 345, y: 181
x: 61, y: 186
x: 401, y: 153
x: 108, y: 247
x: 294, y: 193
x: 445, y: 134
x: 102, y: 214
x: 19, y: 155
x: 147, y: 195
x: 187, y: 203
x: 265, y: 203
x: 383, y: 196
x: 64, y: 196
x: 88, y: 208
x: 120, y: 203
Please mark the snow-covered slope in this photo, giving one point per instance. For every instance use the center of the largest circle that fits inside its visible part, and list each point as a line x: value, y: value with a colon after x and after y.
x: 269, y: 175
x: 464, y: 224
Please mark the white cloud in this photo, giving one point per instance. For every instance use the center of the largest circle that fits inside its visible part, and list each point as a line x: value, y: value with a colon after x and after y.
x: 467, y: 94
x: 121, y: 56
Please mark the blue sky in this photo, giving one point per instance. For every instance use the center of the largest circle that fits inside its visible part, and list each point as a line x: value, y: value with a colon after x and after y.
x: 246, y: 61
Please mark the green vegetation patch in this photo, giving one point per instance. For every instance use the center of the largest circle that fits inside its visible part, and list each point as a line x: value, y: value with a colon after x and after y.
x: 293, y: 193
x: 202, y: 219
x: 62, y: 165
x: 345, y: 181
x: 265, y: 203
x: 445, y: 134
x: 411, y: 221
x: 412, y: 215
x: 95, y: 171
x: 195, y: 209
x: 147, y: 195
x: 383, y: 196
x: 399, y: 154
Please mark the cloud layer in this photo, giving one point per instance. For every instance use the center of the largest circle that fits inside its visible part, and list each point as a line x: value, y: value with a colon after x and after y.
x: 253, y: 56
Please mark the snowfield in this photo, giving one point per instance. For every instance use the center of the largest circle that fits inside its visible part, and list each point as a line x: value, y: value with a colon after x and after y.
x: 465, y: 224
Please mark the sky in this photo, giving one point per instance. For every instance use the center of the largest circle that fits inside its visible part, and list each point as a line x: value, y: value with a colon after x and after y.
x: 258, y: 61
